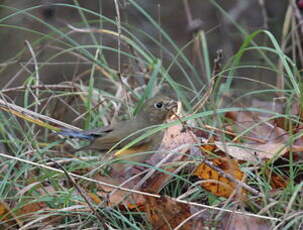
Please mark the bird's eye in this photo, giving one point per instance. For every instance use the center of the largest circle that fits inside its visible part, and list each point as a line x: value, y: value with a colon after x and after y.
x: 158, y: 105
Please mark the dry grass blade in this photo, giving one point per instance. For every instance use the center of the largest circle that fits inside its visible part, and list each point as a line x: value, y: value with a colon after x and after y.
x: 33, y: 116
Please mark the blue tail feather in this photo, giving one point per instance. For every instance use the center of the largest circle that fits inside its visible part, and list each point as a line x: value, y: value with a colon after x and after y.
x: 75, y: 134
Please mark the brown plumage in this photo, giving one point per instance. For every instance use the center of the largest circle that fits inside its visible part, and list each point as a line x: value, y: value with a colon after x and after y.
x: 154, y: 112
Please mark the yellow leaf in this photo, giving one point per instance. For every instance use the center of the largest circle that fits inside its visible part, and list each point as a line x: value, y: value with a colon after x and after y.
x: 218, y: 184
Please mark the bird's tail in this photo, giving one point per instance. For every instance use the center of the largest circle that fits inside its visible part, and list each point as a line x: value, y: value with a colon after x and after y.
x: 75, y: 134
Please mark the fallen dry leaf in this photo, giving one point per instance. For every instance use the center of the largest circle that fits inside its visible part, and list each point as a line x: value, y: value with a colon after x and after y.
x: 277, y: 181
x: 27, y: 211
x: 232, y: 221
x: 3, y: 211
x: 252, y: 152
x: 166, y: 214
x: 159, y: 179
x: 177, y: 145
x: 220, y: 185
x: 114, y: 196
x: 256, y: 126
x: 174, y: 138
x: 6, y: 216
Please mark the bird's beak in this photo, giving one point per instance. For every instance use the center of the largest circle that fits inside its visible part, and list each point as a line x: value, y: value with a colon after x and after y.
x: 171, y: 105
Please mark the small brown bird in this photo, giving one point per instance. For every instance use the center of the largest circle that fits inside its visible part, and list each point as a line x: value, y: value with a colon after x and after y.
x: 154, y: 112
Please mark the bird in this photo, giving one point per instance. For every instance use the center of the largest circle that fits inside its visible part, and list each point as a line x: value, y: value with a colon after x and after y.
x: 154, y: 112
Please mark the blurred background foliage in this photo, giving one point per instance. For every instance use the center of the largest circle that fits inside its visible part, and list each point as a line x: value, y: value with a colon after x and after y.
x: 179, y: 19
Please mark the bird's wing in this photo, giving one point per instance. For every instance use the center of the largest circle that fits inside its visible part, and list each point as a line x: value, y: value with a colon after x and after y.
x: 123, y: 133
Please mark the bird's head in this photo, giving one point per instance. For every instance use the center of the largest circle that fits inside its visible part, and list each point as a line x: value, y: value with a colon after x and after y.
x: 157, y: 109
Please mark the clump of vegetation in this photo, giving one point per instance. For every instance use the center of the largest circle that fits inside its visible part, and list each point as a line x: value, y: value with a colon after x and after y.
x: 230, y: 156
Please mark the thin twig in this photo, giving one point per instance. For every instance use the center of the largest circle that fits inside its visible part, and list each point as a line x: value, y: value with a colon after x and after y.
x: 80, y: 191
x: 264, y: 14
x: 216, y: 70
x: 119, y: 34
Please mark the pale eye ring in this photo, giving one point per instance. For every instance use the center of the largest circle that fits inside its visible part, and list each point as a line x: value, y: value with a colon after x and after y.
x: 158, y: 105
